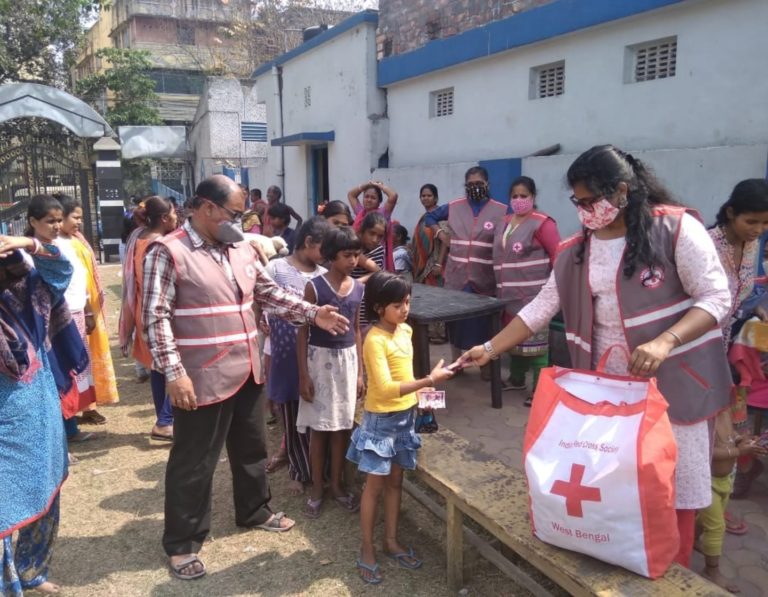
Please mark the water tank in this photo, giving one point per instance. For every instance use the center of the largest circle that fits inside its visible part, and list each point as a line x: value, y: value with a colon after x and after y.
x: 313, y: 31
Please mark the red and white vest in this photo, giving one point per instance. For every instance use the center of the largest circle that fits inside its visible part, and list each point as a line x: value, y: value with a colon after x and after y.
x: 213, y: 324
x: 521, y: 265
x: 695, y: 378
x: 470, y: 260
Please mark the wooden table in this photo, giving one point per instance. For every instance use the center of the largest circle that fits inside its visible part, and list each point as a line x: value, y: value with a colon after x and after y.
x: 431, y: 304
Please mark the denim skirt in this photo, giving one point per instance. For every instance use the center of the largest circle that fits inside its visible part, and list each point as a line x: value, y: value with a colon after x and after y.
x: 384, y: 438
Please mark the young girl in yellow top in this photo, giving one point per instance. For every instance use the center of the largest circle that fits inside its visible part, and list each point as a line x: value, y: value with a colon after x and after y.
x: 386, y: 442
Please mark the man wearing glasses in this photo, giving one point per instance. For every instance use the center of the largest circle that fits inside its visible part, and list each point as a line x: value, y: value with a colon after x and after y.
x: 201, y: 283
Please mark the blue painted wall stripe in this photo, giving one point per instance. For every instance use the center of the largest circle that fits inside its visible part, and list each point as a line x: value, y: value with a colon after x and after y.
x: 535, y: 25
x: 366, y: 16
x: 501, y: 173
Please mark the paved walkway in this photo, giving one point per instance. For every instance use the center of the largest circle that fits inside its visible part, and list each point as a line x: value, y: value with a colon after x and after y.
x: 500, y: 432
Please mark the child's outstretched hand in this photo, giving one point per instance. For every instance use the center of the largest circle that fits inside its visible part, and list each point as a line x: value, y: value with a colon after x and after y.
x: 307, y: 389
x: 440, y: 373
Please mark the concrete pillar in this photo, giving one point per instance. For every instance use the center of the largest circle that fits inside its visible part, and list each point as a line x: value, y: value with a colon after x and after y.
x: 110, y: 196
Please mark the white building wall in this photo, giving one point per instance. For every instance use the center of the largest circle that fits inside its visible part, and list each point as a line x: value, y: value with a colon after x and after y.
x: 700, y: 178
x: 340, y: 76
x: 407, y: 180
x: 719, y: 96
x: 215, y: 137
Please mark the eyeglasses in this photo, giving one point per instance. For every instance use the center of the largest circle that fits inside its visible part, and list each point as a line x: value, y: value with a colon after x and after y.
x: 587, y: 204
x: 236, y: 216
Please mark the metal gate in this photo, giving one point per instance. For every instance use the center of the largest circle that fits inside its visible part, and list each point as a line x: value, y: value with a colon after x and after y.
x: 34, y: 168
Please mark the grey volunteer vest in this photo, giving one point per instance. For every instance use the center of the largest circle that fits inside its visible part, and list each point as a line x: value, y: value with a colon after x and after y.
x: 695, y: 378
x: 214, y: 325
x: 470, y: 260
x: 521, y: 265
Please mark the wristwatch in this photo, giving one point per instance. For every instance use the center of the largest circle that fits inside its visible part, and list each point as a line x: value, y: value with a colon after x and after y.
x: 491, y: 352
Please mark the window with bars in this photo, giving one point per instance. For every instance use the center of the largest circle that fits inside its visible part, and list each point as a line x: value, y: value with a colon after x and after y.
x: 441, y: 103
x: 651, y: 60
x: 185, y: 34
x: 547, y: 80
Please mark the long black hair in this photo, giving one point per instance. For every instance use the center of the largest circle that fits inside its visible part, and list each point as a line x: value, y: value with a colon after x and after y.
x: 748, y: 196
x: 379, y: 193
x: 151, y: 211
x: 382, y: 289
x: 313, y: 229
x: 431, y: 187
x: 601, y: 169
x: 68, y: 203
x: 335, y: 208
x: 337, y: 240
x: 372, y: 219
x: 38, y: 208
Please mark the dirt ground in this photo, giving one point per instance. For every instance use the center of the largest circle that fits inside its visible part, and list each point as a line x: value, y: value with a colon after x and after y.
x: 112, y: 520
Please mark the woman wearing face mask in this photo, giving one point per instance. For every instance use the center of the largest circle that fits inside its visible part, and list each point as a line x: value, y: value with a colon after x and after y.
x: 472, y: 220
x: 523, y: 253
x: 643, y: 274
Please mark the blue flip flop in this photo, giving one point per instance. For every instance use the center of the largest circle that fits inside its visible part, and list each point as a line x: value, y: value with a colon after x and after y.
x: 400, y: 559
x: 374, y: 570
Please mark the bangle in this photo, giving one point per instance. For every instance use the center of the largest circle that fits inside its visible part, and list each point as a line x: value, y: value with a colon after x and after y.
x: 431, y: 381
x: 675, y: 336
x: 490, y: 350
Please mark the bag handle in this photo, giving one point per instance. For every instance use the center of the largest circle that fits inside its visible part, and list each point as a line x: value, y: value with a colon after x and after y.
x: 604, y: 359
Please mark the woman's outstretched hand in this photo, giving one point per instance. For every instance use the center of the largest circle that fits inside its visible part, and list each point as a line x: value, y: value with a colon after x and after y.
x: 477, y: 355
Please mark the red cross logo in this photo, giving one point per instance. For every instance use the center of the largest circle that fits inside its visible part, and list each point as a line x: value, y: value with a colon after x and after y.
x: 574, y: 492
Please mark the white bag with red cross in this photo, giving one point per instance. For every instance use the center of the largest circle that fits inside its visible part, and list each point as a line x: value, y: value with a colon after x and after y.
x: 600, y: 461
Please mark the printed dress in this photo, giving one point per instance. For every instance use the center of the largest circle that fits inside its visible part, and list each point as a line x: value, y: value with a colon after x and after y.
x: 703, y: 281
x: 332, y: 365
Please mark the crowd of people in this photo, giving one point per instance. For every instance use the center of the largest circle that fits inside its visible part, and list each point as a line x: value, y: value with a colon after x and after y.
x: 221, y: 331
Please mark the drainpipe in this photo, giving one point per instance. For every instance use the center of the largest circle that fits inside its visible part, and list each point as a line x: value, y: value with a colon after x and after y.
x: 277, y: 74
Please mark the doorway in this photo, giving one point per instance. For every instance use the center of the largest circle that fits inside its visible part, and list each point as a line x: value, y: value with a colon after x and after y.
x: 320, y: 189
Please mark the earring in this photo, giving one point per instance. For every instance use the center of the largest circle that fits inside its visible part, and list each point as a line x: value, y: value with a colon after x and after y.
x: 623, y: 202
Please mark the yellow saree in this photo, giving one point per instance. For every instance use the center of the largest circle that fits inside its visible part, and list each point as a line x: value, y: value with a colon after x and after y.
x: 98, y: 340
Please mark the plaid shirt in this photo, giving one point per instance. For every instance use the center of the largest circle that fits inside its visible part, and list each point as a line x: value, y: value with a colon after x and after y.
x: 159, y: 300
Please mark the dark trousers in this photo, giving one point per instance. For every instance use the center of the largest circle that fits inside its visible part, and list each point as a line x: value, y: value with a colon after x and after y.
x: 198, y: 436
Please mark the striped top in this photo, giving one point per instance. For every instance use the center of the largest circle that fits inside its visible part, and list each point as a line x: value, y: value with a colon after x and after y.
x: 376, y: 255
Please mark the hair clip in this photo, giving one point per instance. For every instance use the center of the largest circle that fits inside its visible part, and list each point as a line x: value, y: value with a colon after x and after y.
x: 321, y: 208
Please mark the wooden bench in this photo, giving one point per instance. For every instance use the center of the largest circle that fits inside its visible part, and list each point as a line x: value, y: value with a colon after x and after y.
x: 495, y: 496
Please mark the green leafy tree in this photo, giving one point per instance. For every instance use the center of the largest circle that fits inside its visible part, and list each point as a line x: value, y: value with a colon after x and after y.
x: 38, y: 38
x: 38, y: 42
x: 125, y: 88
